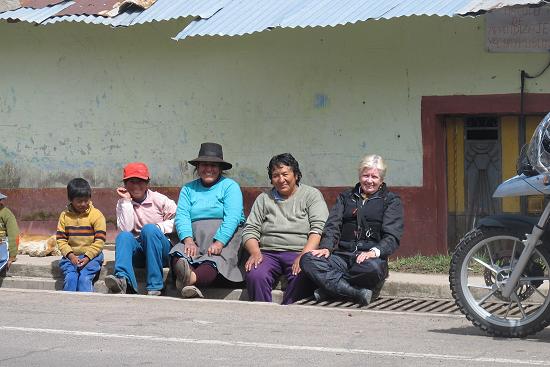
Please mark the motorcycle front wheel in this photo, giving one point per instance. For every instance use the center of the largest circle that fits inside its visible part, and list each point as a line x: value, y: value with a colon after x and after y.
x: 480, y: 266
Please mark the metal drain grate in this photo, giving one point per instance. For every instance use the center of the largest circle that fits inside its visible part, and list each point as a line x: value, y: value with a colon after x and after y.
x: 397, y: 304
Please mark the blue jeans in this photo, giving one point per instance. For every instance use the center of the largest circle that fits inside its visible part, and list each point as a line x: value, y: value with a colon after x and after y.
x: 150, y: 248
x: 4, y: 254
x: 80, y: 280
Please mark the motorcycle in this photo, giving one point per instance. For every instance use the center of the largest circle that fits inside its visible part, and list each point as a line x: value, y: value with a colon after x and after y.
x: 500, y: 270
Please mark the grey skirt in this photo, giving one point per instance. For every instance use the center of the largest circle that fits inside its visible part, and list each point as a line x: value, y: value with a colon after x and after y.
x: 227, y: 262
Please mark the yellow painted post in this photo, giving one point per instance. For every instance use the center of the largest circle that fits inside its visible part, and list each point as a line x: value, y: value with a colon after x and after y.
x: 455, y: 165
x: 510, y: 152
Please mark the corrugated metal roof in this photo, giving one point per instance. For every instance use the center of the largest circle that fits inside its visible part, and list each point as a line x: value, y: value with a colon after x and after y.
x: 161, y: 10
x: 478, y: 6
x: 331, y: 13
x: 238, y: 17
x: 434, y: 7
x: 249, y: 16
x: 34, y: 15
x: 171, y: 9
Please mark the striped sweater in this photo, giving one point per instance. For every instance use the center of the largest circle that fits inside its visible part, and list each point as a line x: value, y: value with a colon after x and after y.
x: 81, y: 233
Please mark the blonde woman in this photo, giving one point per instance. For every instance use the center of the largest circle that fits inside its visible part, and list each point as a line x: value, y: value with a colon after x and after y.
x: 363, y: 228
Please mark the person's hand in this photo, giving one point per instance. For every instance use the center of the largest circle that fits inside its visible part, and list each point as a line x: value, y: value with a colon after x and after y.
x: 82, y: 262
x: 190, y: 247
x: 323, y: 252
x: 123, y: 193
x: 215, y: 248
x: 365, y: 255
x: 253, y: 261
x: 73, y: 259
x: 296, y: 266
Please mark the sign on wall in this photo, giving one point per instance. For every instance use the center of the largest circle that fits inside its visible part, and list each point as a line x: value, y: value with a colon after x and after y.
x: 518, y: 29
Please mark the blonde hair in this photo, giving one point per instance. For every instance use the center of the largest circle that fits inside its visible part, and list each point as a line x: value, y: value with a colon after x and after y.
x: 373, y: 161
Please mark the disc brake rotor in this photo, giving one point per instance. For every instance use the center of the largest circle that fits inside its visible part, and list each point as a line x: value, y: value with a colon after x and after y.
x: 524, y: 291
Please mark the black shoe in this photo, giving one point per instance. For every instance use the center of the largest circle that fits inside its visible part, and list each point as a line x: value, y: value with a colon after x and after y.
x: 321, y: 295
x: 364, y: 296
x: 376, y: 291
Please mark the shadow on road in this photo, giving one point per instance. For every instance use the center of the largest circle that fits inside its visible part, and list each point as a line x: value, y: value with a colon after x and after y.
x: 543, y: 336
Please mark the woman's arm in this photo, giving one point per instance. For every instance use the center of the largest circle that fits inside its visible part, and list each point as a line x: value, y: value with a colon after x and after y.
x: 253, y: 225
x: 312, y: 244
x: 232, y: 212
x: 317, y: 212
x: 182, y: 220
x: 255, y: 258
x: 392, y: 226
x: 252, y: 233
x: 333, y: 226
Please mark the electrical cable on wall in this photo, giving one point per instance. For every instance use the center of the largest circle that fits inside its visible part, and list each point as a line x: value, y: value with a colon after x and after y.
x: 524, y: 76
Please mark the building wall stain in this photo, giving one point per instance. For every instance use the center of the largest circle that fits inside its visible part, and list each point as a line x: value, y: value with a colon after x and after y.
x: 9, y: 175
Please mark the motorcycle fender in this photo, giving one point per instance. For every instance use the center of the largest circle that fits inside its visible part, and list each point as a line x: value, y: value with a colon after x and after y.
x: 522, y: 223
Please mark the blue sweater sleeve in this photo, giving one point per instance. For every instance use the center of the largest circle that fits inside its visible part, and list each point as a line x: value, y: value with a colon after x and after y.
x: 183, y: 215
x: 232, y: 212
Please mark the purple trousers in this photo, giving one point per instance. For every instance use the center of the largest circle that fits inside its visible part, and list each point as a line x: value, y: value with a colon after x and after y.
x: 260, y: 280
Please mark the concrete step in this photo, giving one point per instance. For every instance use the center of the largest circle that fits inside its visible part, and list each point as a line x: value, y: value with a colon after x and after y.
x: 44, y: 273
x: 56, y: 284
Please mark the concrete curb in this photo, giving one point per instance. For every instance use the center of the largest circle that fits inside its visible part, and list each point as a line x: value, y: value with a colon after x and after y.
x: 44, y: 274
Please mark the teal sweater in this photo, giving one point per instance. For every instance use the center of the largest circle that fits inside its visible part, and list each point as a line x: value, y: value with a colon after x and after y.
x: 223, y: 200
x: 284, y: 225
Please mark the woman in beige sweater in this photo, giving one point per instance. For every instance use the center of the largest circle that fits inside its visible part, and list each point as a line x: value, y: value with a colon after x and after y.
x: 284, y: 223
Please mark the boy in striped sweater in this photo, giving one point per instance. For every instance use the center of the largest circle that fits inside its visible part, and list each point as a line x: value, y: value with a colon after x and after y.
x: 80, y: 237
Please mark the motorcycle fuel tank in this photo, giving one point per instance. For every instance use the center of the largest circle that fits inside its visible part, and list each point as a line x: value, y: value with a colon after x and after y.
x: 522, y: 185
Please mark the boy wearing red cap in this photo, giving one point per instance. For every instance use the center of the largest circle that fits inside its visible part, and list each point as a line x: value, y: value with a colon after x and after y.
x: 144, y: 218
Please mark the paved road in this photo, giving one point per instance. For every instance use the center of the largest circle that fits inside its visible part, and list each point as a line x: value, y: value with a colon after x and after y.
x: 55, y: 328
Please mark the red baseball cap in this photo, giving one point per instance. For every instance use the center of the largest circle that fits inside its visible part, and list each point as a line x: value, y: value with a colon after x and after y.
x: 136, y: 169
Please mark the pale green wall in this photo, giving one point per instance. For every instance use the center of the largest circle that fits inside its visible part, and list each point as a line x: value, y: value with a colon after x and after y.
x: 79, y: 99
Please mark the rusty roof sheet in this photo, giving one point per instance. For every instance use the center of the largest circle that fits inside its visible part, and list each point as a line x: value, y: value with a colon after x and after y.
x: 107, y: 8
x: 38, y: 4
x: 34, y: 15
x: 6, y: 5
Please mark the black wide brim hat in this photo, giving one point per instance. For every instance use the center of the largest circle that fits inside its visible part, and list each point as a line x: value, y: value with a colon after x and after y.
x: 211, y: 153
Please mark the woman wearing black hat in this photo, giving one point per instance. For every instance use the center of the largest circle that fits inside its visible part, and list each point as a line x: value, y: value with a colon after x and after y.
x: 210, y: 211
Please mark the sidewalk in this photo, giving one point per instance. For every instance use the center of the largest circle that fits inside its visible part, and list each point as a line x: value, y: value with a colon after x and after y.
x: 43, y: 273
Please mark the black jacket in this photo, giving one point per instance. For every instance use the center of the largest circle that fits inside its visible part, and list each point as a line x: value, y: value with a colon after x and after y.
x: 354, y: 224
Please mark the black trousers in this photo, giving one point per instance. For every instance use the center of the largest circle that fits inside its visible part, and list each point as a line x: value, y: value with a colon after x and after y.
x: 328, y: 272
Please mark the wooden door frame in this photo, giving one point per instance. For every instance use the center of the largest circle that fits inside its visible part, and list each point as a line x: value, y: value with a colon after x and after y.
x: 433, y: 111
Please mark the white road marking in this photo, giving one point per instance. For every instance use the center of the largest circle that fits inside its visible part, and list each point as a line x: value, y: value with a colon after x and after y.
x: 278, y: 346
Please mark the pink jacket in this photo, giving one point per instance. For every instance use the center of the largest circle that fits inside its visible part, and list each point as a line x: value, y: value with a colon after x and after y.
x: 155, y: 209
